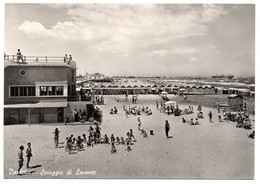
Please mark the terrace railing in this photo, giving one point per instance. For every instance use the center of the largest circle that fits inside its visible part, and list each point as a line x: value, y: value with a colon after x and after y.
x: 38, y: 59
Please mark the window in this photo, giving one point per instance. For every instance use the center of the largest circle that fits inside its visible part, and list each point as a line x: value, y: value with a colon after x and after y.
x: 22, y: 72
x: 22, y: 91
x: 51, y: 90
x: 43, y: 90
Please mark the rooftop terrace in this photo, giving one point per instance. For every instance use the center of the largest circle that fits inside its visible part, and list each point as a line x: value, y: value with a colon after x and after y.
x: 38, y: 60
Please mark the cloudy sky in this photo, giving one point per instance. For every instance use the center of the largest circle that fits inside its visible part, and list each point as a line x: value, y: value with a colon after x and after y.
x: 137, y: 39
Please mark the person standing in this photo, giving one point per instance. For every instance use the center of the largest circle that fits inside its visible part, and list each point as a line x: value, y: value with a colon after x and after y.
x: 167, y: 128
x: 19, y: 56
x: 28, y: 154
x: 210, y: 116
x: 199, y: 108
x: 56, y: 137
x: 70, y: 59
x: 65, y: 58
x: 219, y: 116
x: 20, y: 159
x: 76, y: 115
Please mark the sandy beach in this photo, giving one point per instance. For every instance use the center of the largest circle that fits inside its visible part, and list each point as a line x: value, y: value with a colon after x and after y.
x: 215, y: 150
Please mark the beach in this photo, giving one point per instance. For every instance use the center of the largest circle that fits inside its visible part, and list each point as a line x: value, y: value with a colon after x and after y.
x: 215, y: 150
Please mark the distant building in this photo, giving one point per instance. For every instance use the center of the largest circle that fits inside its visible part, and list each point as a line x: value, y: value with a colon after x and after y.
x: 96, y: 76
x: 37, y: 92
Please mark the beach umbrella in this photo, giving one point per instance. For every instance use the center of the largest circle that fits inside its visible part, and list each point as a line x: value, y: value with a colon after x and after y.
x: 164, y: 93
x: 169, y: 103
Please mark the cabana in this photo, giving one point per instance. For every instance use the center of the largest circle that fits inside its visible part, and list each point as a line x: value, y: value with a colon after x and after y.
x: 235, y: 102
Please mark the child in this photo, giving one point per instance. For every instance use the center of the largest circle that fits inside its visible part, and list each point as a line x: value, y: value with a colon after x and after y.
x: 131, y: 135
x: 113, y: 148
x: 84, y: 137
x: 128, y: 136
x: 117, y: 140
x: 143, y: 132
x: 105, y: 140
x: 128, y: 142
x: 112, y: 138
x: 122, y: 141
x: 20, y: 159
x: 111, y: 111
x: 89, y: 141
x: 56, y: 137
x: 219, y: 116
x: 28, y: 154
x: 115, y: 110
x: 79, y: 143
x: 197, y: 121
x: 90, y: 131
x: 210, y: 116
x: 98, y: 131
x: 252, y: 135
x: 73, y: 143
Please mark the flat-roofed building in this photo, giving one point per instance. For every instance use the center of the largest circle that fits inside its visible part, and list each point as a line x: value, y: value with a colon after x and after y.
x: 38, y: 90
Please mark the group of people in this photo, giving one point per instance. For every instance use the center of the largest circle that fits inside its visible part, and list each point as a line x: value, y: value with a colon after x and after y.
x: 191, y: 122
x: 67, y: 59
x: 113, y: 111
x: 141, y: 129
x: 21, y: 158
x: 80, y: 115
x: 168, y: 109
x: 94, y: 137
x: 99, y: 100
x: 137, y: 110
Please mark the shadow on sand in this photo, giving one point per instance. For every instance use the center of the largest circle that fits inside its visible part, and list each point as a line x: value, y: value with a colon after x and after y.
x: 36, y: 166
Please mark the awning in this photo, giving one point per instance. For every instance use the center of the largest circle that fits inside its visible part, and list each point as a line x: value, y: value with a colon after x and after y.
x: 37, y: 105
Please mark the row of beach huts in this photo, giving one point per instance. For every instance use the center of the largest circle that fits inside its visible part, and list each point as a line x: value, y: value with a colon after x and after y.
x: 113, y: 89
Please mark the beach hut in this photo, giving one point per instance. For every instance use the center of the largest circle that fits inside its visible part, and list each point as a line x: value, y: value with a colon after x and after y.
x: 188, y: 89
x: 194, y: 89
x: 212, y: 90
x: 232, y: 91
x: 201, y: 90
x: 207, y: 90
x: 244, y: 92
x: 235, y: 102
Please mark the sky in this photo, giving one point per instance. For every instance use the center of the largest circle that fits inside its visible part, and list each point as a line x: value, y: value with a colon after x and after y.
x: 191, y: 40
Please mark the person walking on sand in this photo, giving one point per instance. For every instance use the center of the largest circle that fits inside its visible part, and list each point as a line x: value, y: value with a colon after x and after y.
x: 219, y: 116
x: 56, y: 137
x: 113, y: 148
x: 199, y: 108
x: 210, y: 116
x: 28, y: 154
x: 167, y: 128
x: 20, y: 159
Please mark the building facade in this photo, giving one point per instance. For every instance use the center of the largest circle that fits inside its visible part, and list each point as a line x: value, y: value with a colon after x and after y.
x: 37, y: 92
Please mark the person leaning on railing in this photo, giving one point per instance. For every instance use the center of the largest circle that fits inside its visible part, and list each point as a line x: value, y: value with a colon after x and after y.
x: 70, y: 59
x: 19, y: 56
x: 65, y: 58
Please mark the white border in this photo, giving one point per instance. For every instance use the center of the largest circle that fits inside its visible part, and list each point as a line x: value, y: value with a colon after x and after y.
x: 257, y: 180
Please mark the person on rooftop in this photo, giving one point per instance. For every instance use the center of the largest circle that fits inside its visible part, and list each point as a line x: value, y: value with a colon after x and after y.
x: 65, y: 58
x: 70, y: 59
x: 19, y: 56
